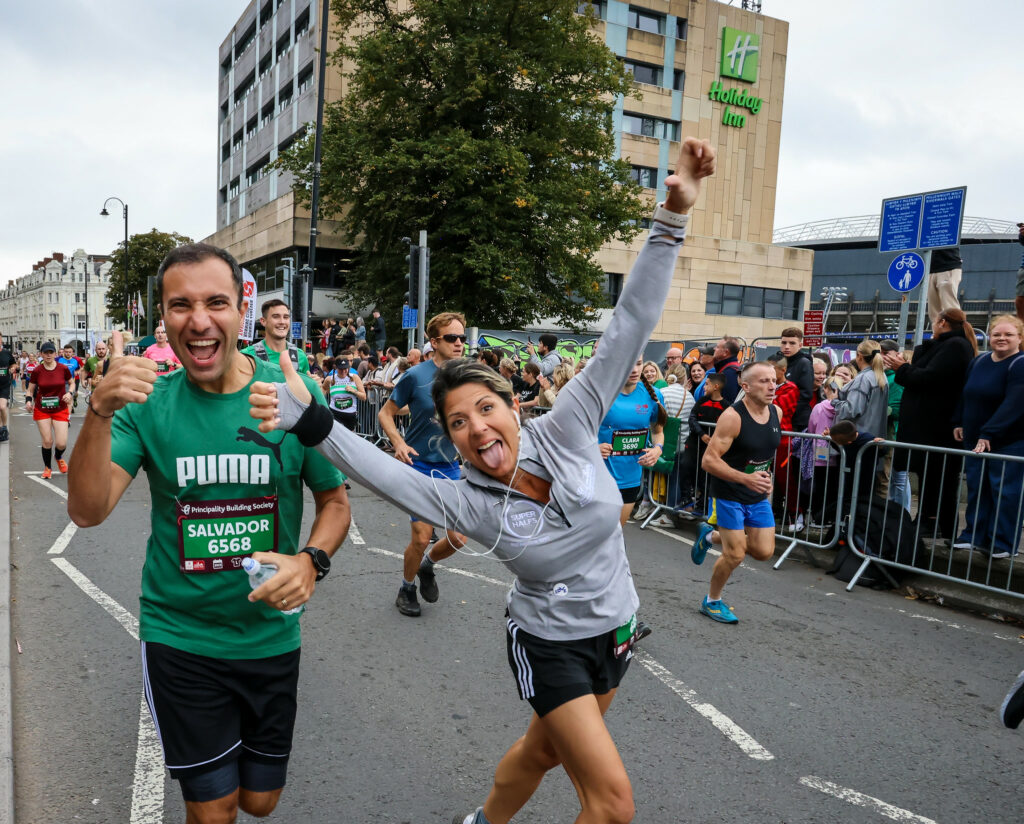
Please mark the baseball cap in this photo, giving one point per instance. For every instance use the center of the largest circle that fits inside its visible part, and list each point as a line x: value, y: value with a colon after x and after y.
x: 706, y: 350
x: 48, y: 347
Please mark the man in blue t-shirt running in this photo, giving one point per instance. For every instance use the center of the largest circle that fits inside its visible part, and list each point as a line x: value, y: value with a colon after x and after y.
x: 427, y: 450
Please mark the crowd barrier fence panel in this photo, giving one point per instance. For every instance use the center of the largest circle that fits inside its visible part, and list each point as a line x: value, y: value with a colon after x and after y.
x: 966, y: 489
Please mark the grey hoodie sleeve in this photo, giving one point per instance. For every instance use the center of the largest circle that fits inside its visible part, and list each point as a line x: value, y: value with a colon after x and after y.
x: 853, y: 403
x: 585, y: 400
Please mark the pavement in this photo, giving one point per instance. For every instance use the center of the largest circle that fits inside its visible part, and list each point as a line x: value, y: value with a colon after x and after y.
x: 6, y: 745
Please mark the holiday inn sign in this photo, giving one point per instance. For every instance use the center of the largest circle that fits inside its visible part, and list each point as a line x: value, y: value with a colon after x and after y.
x: 741, y: 52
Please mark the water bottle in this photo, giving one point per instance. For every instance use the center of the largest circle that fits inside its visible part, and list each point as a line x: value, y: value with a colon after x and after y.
x: 260, y: 574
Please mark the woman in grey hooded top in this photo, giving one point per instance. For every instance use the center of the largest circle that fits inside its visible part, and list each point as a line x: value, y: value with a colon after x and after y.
x: 540, y: 498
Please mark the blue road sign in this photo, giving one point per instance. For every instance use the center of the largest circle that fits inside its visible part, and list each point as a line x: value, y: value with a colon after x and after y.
x: 296, y: 329
x: 906, y: 271
x: 900, y: 225
x: 408, y: 317
x: 941, y: 219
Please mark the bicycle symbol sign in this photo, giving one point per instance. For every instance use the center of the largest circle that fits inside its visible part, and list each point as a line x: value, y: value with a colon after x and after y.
x: 906, y: 271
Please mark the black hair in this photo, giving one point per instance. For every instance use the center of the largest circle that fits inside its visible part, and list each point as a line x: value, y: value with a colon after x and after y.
x: 845, y: 430
x: 192, y: 253
x: 270, y: 304
x: 549, y: 340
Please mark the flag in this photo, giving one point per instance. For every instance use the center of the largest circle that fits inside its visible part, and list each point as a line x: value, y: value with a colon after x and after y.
x: 142, y: 306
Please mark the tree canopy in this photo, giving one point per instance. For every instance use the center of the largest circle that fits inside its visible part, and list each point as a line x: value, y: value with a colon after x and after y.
x: 145, y: 253
x: 489, y: 125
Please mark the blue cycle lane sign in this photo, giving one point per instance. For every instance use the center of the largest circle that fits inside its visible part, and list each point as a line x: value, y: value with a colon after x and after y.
x: 906, y: 271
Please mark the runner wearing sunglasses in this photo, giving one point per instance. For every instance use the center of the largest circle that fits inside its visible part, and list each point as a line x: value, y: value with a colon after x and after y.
x: 427, y: 450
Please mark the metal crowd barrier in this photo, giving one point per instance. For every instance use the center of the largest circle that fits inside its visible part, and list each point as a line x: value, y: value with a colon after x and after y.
x: 806, y: 503
x: 962, y: 499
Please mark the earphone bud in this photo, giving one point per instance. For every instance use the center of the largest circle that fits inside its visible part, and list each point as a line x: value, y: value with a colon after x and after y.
x: 518, y: 421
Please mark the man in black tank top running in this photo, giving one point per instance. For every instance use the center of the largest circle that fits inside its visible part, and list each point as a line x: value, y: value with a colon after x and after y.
x: 739, y: 459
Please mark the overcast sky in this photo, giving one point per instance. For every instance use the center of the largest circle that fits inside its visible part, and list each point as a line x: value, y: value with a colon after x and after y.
x: 118, y: 97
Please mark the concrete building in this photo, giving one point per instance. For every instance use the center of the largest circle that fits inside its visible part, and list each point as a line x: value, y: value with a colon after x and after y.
x: 701, y: 68
x: 846, y: 255
x: 49, y: 303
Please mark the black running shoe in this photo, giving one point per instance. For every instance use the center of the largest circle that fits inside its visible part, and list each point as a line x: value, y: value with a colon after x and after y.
x: 406, y: 601
x: 428, y: 585
x: 642, y: 631
x: 1012, y: 711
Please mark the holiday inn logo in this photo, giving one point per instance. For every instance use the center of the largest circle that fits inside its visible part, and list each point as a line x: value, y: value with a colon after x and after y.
x: 740, y: 52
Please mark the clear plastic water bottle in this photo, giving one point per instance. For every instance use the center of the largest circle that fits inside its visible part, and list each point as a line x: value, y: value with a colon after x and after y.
x: 260, y: 574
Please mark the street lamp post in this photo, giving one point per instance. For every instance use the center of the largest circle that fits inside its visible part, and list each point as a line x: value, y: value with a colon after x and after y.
x: 829, y: 294
x: 85, y: 266
x: 105, y: 213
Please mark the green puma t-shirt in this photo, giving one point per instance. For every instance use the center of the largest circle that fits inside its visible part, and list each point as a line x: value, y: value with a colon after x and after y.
x: 220, y: 490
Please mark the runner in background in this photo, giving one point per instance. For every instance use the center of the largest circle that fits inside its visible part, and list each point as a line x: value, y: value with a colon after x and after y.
x: 8, y: 378
x: 50, y: 404
x: 161, y: 352
x: 344, y: 388
x: 277, y: 321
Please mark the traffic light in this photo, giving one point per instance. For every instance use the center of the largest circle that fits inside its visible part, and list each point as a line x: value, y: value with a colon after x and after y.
x: 413, y: 277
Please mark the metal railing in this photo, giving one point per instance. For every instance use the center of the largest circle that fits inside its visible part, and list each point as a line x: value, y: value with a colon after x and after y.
x: 972, y: 503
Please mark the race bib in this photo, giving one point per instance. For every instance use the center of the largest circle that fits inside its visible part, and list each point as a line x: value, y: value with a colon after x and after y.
x: 628, y: 441
x: 163, y: 367
x: 214, y: 536
x: 758, y: 466
x: 341, y: 399
x: 49, y: 402
x: 4, y: 372
x: 625, y: 637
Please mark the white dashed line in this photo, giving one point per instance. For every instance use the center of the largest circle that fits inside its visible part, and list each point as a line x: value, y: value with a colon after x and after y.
x: 48, y: 485
x: 446, y: 568
x: 63, y: 539
x: 861, y: 800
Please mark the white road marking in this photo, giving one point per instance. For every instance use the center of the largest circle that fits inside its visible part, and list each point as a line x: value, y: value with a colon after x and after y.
x: 446, y: 568
x: 354, y: 535
x: 722, y: 722
x: 148, y: 786
x: 118, y: 612
x: 63, y: 539
x: 49, y: 486
x: 861, y: 800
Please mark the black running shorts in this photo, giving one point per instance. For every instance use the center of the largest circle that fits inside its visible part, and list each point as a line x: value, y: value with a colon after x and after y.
x: 551, y: 673
x: 209, y: 711
x: 630, y: 495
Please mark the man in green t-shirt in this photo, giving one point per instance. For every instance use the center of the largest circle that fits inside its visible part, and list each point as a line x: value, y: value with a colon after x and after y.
x: 220, y: 661
x: 277, y: 320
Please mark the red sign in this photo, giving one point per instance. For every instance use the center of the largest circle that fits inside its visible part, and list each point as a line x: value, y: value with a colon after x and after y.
x: 814, y: 316
x: 814, y: 328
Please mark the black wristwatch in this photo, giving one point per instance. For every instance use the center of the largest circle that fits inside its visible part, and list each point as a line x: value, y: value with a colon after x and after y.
x: 321, y: 561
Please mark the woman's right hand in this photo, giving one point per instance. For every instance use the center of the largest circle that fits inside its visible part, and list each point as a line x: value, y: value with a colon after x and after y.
x: 606, y: 449
x: 263, y: 399
x: 958, y: 433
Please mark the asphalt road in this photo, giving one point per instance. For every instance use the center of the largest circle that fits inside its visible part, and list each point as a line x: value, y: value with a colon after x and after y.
x: 820, y: 706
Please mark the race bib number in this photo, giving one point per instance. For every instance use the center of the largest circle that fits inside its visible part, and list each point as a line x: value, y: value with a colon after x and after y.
x: 341, y: 399
x: 4, y: 372
x: 49, y: 402
x: 758, y: 466
x: 163, y: 367
x: 214, y: 536
x: 628, y: 441
x: 625, y: 637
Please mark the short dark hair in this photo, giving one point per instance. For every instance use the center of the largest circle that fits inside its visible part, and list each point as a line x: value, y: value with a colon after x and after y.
x: 732, y: 346
x: 531, y: 367
x: 716, y: 378
x: 270, y: 304
x: 844, y: 430
x: 792, y: 332
x: 191, y: 253
x: 549, y: 340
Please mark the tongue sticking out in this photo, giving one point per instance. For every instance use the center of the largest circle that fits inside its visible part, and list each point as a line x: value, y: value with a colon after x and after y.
x: 493, y: 455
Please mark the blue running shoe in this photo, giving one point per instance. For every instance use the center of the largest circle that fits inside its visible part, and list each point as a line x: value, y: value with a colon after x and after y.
x: 718, y: 611
x: 702, y: 544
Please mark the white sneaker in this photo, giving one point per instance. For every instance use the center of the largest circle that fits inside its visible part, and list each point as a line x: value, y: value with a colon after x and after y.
x: 642, y: 511
x: 797, y: 525
x: 663, y: 521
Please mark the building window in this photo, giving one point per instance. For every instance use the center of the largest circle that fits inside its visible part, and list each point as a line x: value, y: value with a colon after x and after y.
x: 678, y: 80
x: 233, y: 189
x: 599, y: 7
x: 644, y: 72
x: 650, y: 126
x: 681, y: 28
x: 646, y: 20
x: 612, y: 286
x: 753, y: 302
x: 305, y: 80
x: 646, y: 176
x: 53, y: 320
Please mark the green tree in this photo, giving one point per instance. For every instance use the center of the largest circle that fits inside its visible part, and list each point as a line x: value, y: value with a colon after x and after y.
x: 145, y: 253
x: 488, y: 125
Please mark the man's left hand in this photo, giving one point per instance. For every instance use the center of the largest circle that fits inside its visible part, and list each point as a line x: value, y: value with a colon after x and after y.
x: 293, y: 584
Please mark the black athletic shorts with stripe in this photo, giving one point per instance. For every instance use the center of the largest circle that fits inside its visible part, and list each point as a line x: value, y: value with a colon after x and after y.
x: 551, y: 673
x: 210, y: 711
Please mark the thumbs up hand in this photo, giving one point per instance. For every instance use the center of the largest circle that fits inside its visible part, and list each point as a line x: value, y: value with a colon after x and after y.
x: 279, y: 405
x: 129, y: 379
